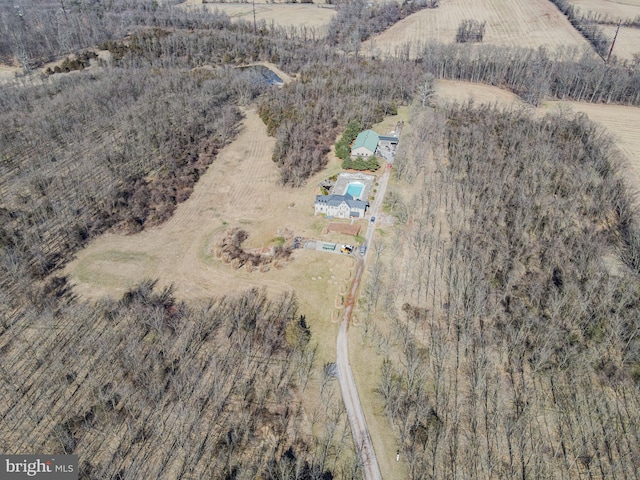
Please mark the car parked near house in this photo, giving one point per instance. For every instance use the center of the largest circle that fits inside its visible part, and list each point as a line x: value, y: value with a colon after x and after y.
x: 346, y: 248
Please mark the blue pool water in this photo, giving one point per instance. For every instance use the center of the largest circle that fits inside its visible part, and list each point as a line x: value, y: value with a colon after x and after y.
x: 355, y: 190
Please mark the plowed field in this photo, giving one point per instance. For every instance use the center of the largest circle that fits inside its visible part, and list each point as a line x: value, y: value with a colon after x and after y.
x: 284, y: 14
x: 614, y: 9
x: 522, y: 23
x: 627, y: 43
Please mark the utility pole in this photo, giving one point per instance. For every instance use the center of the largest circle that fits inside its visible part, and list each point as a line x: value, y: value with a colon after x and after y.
x: 613, y: 42
x: 254, y: 17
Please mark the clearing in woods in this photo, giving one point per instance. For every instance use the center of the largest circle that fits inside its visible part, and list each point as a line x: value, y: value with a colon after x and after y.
x: 455, y: 91
x: 516, y: 23
x: 240, y: 189
x: 286, y: 14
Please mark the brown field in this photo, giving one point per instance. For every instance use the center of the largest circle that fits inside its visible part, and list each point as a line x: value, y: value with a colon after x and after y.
x: 522, y: 23
x: 344, y: 228
x: 239, y: 189
x: 628, y: 40
x: 614, y: 9
x: 454, y: 91
x: 627, y: 43
x: 285, y: 14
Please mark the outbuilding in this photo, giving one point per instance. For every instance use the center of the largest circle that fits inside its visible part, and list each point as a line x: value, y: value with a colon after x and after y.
x: 365, y: 144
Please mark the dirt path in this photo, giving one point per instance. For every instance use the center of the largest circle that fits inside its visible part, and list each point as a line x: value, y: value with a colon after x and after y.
x: 359, y: 430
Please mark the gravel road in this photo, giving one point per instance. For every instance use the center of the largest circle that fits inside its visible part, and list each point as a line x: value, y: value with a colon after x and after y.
x: 359, y: 429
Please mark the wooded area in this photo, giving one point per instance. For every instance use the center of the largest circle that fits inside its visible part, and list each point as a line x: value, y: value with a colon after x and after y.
x: 515, y: 346
x: 515, y: 351
x: 147, y: 387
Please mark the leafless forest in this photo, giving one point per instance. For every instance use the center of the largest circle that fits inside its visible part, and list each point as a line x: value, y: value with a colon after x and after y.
x: 516, y: 349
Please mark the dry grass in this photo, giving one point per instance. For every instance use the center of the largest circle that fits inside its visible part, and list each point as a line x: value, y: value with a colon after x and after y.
x: 521, y: 23
x: 8, y: 73
x: 627, y: 43
x: 285, y: 14
x: 344, y: 228
x: 628, y: 40
x: 366, y: 364
x: 615, y: 9
x: 239, y: 189
x: 454, y: 91
x: 390, y: 122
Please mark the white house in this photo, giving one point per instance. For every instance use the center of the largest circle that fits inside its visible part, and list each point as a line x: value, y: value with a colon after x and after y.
x: 340, y: 206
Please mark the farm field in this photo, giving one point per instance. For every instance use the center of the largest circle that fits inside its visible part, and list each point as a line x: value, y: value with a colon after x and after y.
x: 628, y: 40
x: 614, y: 9
x: 454, y: 91
x: 287, y: 15
x: 627, y: 43
x: 521, y: 23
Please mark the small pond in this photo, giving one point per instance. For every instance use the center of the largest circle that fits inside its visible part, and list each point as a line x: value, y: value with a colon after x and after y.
x: 268, y: 76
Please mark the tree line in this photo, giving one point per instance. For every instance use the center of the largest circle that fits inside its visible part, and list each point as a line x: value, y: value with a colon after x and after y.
x: 566, y: 74
x: 34, y: 32
x: 357, y: 20
x: 114, y: 149
x: 587, y: 28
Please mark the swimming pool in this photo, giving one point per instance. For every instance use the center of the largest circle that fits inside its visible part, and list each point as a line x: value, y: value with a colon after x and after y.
x: 355, y: 190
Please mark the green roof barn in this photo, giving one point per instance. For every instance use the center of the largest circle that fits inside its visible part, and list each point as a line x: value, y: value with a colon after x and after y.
x: 365, y: 144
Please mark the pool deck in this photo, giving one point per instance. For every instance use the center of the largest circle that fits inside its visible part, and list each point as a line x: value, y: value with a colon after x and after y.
x: 344, y: 179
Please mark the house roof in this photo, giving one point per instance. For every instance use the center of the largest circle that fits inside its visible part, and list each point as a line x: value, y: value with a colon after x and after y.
x: 367, y: 139
x: 336, y: 200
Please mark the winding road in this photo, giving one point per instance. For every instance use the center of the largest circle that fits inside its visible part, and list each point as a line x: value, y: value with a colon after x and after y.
x: 359, y: 430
